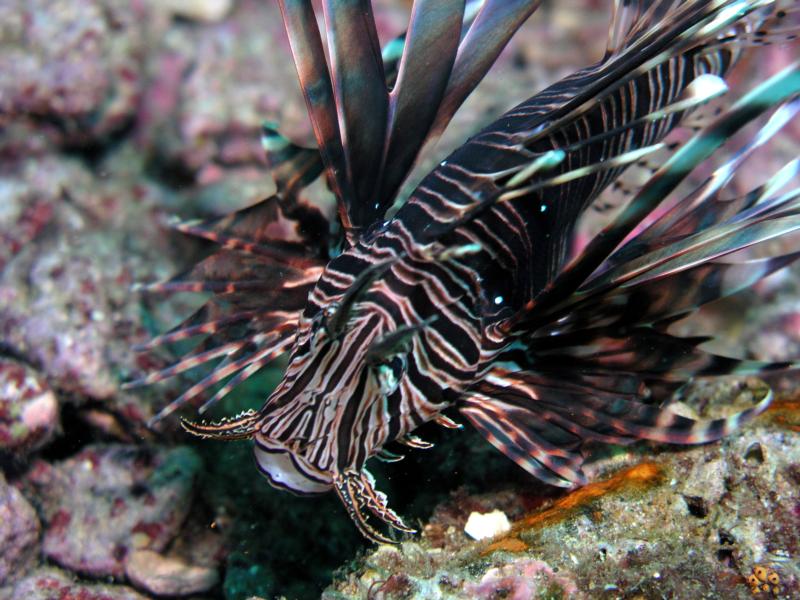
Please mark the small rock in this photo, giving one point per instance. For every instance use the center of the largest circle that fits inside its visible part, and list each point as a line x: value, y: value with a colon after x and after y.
x: 111, y: 500
x: 207, y: 11
x: 167, y: 576
x: 28, y: 409
x: 48, y: 583
x: 19, y: 534
x: 481, y: 526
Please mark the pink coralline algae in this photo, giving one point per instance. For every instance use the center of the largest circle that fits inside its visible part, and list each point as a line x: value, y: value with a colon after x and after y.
x: 522, y: 580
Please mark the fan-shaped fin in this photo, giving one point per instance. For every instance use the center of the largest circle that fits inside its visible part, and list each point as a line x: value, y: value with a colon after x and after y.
x: 642, y: 350
x: 263, y: 350
x: 631, y: 18
x: 516, y: 432
x: 683, y: 26
x: 295, y: 235
x: 188, y: 362
x: 247, y: 366
x: 541, y: 424
x: 659, y: 300
x: 185, y: 331
x: 703, y: 207
x: 778, y: 89
x: 702, y: 247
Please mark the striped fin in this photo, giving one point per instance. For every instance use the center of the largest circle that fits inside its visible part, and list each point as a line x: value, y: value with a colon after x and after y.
x: 658, y: 300
x: 468, y: 185
x: 685, y: 26
x: 259, y: 283
x: 300, y: 22
x: 778, y: 89
x: 247, y: 366
x: 764, y: 216
x: 466, y: 38
x: 542, y: 427
x: 517, y: 433
x: 185, y: 330
x: 637, y: 420
x: 295, y: 235
x: 631, y: 18
x: 368, y: 137
x: 188, y: 362
x: 643, y: 350
x: 688, y: 279
x: 361, y: 98
x: 265, y: 351
x: 523, y: 182
x: 764, y: 37
x: 703, y: 207
x: 434, y: 30
x: 243, y: 281
x: 696, y: 250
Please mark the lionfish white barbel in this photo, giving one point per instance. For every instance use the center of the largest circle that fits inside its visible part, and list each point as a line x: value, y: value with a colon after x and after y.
x: 468, y: 297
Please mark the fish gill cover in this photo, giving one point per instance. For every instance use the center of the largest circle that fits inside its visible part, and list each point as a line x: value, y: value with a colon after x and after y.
x: 470, y: 293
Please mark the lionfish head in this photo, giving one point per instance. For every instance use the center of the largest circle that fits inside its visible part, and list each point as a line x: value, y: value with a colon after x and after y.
x: 331, y: 411
x: 327, y: 391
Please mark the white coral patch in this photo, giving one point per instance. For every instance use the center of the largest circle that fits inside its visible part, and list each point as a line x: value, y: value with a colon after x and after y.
x: 481, y: 526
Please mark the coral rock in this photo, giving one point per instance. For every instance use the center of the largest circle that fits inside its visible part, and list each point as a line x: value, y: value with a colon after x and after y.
x: 69, y: 69
x: 712, y: 516
x: 65, y: 301
x: 224, y: 80
x: 106, y: 502
x: 19, y: 534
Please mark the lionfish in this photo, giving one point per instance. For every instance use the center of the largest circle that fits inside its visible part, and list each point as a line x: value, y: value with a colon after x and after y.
x: 467, y: 295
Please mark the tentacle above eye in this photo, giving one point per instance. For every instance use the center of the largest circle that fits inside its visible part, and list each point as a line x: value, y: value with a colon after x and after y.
x: 356, y: 490
x: 240, y: 427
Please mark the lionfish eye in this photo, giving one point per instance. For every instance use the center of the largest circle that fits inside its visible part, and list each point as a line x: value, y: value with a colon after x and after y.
x: 330, y: 310
x: 388, y: 374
